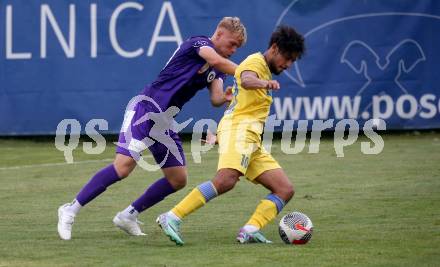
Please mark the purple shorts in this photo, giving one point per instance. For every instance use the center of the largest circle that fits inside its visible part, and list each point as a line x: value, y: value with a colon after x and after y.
x: 143, y: 128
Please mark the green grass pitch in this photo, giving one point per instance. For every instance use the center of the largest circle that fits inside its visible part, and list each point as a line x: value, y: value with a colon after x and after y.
x: 368, y: 210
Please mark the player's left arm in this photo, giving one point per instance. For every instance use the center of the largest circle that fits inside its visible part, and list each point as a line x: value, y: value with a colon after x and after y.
x: 218, y: 97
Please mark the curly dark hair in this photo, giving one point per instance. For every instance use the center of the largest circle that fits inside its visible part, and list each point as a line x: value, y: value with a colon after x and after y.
x: 288, y: 41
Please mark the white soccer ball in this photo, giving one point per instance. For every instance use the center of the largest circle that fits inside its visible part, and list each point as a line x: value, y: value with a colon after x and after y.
x: 295, y: 228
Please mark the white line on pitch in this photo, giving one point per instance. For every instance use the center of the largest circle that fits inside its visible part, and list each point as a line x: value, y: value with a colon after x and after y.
x: 62, y: 163
x: 54, y: 164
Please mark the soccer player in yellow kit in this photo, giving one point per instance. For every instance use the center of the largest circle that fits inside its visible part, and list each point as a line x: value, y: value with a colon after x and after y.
x: 239, y: 138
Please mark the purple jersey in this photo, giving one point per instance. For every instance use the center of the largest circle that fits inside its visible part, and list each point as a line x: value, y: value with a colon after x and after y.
x: 184, y: 74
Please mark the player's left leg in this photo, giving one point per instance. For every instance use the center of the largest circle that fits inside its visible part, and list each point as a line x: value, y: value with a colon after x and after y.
x: 281, y: 192
x: 118, y: 170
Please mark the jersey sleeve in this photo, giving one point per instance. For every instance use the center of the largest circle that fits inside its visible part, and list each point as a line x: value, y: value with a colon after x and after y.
x: 220, y: 75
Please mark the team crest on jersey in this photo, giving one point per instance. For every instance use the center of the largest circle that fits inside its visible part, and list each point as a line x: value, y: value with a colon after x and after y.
x: 211, y: 76
x: 200, y: 43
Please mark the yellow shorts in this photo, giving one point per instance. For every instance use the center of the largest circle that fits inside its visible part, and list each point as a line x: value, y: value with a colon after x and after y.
x: 243, y: 151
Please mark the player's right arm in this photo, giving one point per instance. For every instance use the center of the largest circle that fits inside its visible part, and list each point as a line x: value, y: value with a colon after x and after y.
x: 250, y: 80
x: 216, y: 61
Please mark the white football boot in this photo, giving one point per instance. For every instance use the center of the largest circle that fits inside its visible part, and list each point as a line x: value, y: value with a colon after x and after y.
x: 127, y: 225
x: 65, y: 222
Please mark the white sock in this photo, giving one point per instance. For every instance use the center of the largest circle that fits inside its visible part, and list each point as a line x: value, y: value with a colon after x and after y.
x: 250, y: 228
x: 174, y: 216
x: 130, y: 213
x: 74, y: 207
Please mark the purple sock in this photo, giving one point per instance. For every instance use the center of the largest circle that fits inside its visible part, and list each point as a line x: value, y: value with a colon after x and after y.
x: 154, y: 194
x: 98, y: 184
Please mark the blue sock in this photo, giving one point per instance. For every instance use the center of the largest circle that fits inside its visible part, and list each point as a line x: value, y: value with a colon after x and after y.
x: 208, y: 190
x: 279, y: 202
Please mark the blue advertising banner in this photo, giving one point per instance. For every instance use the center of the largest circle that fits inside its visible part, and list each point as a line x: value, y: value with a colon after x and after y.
x: 85, y: 60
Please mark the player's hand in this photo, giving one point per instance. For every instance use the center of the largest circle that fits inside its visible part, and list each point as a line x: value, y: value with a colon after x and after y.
x: 273, y: 85
x: 211, y: 139
x: 228, y: 94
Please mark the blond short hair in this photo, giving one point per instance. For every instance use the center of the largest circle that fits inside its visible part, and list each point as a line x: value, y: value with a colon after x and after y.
x: 234, y: 25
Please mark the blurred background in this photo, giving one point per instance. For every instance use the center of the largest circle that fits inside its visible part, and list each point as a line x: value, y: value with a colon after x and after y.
x: 85, y: 60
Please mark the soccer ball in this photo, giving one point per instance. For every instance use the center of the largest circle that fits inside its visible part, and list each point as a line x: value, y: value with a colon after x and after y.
x: 295, y: 228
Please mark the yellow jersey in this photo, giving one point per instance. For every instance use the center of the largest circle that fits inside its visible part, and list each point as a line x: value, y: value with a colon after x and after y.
x: 249, y: 108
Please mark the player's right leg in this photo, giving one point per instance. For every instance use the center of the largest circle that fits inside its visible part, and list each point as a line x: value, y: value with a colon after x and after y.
x: 119, y: 169
x: 128, y: 150
x: 174, y: 179
x: 170, y: 156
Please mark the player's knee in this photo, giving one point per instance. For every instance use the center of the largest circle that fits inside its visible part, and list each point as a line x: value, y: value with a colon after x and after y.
x: 224, y: 183
x: 286, y: 191
x: 124, y: 165
x: 123, y: 169
x: 178, y: 181
x: 181, y: 183
x: 290, y: 192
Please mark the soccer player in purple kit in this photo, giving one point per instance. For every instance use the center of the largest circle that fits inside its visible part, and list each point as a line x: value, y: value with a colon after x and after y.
x: 199, y: 62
